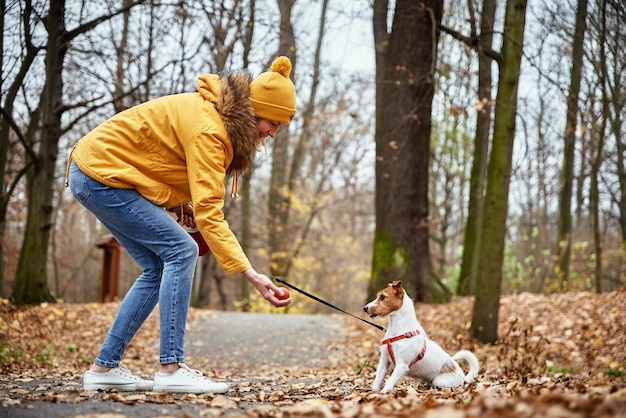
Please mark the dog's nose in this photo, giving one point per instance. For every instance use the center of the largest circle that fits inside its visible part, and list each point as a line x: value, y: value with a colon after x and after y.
x: 365, y: 309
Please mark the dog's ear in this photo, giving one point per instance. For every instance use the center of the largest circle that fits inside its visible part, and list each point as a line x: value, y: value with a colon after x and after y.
x: 397, y: 287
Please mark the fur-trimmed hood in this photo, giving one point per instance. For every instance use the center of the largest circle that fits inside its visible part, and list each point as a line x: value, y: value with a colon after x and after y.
x: 230, y: 93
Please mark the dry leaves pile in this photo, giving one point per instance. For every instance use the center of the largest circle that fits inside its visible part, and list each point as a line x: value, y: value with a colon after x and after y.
x: 559, y: 355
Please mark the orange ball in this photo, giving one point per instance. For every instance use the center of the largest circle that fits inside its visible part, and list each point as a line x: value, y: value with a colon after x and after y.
x: 285, y: 294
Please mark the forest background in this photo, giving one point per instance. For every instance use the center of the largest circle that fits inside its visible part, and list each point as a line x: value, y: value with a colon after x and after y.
x: 120, y: 53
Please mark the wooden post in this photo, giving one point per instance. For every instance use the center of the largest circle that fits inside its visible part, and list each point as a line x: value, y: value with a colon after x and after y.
x: 110, y: 267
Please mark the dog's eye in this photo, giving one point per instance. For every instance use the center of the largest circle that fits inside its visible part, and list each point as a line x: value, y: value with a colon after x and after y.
x: 382, y: 297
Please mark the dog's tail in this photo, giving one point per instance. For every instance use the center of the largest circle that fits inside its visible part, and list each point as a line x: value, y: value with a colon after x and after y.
x: 472, y: 360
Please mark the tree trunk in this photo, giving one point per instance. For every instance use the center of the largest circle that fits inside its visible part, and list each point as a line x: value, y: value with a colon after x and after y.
x: 226, y: 30
x: 594, y: 196
x: 403, y: 126
x: 246, y: 199
x: 31, y: 281
x: 4, y: 149
x: 597, y: 139
x: 488, y: 284
x: 278, y: 211
x: 12, y: 91
x: 469, y: 265
x: 615, y: 88
x: 42, y: 144
x: 120, y: 50
x: 302, y: 145
x: 569, y: 138
x: 246, y: 238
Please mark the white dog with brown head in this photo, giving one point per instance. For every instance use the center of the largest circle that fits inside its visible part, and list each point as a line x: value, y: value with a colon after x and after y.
x: 407, y: 347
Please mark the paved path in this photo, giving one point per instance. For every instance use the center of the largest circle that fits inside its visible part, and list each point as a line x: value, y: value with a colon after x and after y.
x: 275, y: 340
x: 225, y: 337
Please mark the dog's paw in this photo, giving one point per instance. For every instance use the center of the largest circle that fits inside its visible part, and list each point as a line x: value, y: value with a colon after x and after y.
x: 386, y: 389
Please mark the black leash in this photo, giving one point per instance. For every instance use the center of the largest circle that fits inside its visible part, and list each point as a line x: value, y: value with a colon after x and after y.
x: 322, y: 301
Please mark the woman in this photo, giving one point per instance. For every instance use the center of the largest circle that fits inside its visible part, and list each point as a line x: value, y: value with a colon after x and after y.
x: 174, y: 153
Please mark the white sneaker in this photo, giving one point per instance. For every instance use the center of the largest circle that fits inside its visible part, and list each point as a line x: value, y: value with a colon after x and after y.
x: 186, y: 380
x: 119, y: 378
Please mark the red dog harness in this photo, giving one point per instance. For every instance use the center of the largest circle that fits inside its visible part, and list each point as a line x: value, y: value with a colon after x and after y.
x: 409, y: 334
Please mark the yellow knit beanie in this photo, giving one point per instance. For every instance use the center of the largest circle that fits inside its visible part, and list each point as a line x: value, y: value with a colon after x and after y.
x: 272, y: 93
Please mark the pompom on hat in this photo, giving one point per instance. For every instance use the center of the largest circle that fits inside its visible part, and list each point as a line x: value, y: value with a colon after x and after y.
x: 273, y: 95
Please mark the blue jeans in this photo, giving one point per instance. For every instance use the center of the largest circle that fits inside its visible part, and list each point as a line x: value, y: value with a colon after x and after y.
x: 162, y: 248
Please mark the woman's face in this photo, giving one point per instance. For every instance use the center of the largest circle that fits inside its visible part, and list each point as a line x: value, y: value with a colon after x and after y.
x: 267, y: 128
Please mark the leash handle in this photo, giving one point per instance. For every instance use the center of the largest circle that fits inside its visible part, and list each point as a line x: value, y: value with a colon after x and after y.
x: 322, y: 301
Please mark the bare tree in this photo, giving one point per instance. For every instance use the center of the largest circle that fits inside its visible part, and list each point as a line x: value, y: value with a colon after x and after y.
x: 42, y: 139
x: 279, y: 191
x: 486, y: 305
x: 404, y: 93
x: 606, y: 56
x: 29, y: 52
x: 228, y: 25
x: 614, y: 87
x: 246, y: 190
x: 469, y: 266
x: 569, y: 137
x: 31, y: 282
x: 4, y: 148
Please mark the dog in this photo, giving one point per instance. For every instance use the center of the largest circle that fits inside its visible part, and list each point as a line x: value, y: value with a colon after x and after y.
x: 408, y: 348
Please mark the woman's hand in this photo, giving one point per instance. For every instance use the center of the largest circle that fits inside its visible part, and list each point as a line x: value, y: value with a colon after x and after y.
x: 266, y: 288
x: 188, y: 217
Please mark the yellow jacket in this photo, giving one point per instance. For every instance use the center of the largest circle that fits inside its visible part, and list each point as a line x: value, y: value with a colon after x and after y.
x: 178, y: 149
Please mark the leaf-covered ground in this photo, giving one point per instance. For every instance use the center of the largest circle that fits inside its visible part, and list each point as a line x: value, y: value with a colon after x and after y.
x: 559, y: 356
